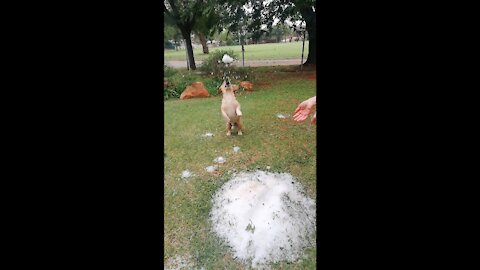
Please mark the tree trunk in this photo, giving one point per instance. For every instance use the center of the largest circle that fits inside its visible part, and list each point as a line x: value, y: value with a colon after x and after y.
x: 203, y: 40
x: 310, y: 20
x: 189, y: 48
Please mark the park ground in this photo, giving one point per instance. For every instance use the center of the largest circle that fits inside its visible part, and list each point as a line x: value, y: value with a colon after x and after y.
x: 279, y: 143
x: 271, y: 54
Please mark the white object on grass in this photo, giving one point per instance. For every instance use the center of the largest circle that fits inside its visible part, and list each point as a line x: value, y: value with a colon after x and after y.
x: 264, y: 217
x: 178, y: 263
x: 208, y: 134
x: 227, y: 59
x: 211, y: 168
x: 186, y: 174
x: 236, y: 149
x: 219, y: 160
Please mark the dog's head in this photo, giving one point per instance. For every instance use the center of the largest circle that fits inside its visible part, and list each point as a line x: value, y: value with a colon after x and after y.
x: 227, y: 87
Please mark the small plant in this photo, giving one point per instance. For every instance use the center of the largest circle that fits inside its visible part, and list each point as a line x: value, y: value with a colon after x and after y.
x: 168, y: 71
x: 177, y: 83
x: 212, y: 85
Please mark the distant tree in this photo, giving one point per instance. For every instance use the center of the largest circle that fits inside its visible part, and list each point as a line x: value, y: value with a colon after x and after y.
x: 279, y: 31
x: 171, y: 32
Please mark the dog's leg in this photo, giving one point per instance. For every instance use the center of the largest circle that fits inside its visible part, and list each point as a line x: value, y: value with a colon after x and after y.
x: 237, y: 110
x: 225, y: 116
x: 229, y: 129
x: 229, y: 126
x: 240, y: 126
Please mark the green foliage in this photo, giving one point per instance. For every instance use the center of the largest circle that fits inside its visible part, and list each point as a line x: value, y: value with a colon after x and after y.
x: 213, y: 65
x: 212, y: 84
x: 177, y: 83
x: 168, y: 71
x: 215, y: 70
x: 244, y: 74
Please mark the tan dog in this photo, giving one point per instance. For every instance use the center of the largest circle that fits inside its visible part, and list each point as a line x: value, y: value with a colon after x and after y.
x: 231, y: 109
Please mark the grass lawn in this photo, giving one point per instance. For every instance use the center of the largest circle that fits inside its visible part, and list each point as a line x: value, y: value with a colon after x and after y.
x: 269, y: 51
x: 282, y: 144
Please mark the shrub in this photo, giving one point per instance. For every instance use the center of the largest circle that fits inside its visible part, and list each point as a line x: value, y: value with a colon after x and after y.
x: 243, y: 74
x: 212, y: 84
x: 177, y: 83
x: 211, y: 65
x: 168, y: 71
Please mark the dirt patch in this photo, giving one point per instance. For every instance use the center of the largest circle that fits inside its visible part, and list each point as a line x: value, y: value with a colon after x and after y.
x: 264, y: 84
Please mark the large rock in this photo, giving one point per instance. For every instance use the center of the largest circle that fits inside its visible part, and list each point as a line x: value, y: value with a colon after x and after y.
x: 247, y: 86
x: 196, y: 89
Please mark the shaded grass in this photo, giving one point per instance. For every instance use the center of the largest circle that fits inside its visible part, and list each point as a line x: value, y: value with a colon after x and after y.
x: 282, y: 144
x: 267, y: 51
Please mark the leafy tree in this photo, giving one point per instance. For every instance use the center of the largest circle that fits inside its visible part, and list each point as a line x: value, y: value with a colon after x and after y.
x: 264, y: 13
x: 184, y: 14
x: 206, y: 26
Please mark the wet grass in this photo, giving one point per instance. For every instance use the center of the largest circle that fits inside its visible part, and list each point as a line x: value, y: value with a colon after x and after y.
x: 282, y: 144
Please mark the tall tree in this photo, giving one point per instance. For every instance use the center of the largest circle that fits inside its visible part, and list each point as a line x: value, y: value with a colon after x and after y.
x: 207, y: 25
x: 184, y: 13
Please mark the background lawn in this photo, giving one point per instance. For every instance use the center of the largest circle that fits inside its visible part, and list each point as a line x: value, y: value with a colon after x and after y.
x: 282, y: 144
x: 269, y: 51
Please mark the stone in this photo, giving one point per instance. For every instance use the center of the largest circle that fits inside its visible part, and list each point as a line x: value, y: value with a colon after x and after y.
x: 196, y: 89
x: 247, y: 86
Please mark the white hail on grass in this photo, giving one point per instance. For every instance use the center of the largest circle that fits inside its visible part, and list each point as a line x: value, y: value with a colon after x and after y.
x: 208, y: 134
x: 211, y: 168
x: 219, y: 160
x: 264, y: 217
x: 186, y: 174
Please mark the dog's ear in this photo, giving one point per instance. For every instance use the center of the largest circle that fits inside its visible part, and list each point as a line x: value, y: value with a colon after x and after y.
x: 220, y: 89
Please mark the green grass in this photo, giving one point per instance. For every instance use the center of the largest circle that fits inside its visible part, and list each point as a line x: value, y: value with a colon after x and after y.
x: 282, y: 144
x: 269, y: 51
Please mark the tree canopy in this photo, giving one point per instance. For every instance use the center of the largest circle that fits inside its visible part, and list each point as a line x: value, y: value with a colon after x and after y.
x: 254, y: 14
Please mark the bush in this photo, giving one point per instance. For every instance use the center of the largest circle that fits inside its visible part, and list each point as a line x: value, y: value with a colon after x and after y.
x: 168, y: 71
x: 177, y: 83
x: 211, y: 65
x: 212, y: 85
x: 243, y: 74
